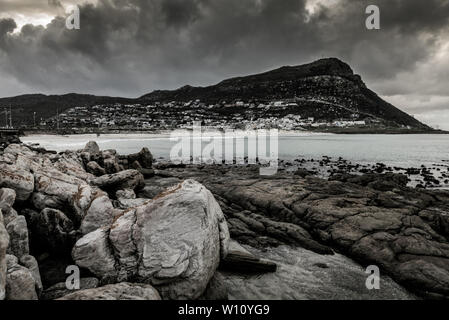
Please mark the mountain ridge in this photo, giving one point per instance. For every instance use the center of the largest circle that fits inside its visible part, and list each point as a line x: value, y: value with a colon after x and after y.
x: 264, y: 86
x: 318, y: 88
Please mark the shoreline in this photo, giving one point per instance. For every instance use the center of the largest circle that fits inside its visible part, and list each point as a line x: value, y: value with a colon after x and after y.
x: 345, y: 131
x: 427, y: 173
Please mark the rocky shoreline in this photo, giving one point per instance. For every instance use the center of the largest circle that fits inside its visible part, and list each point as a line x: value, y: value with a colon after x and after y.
x: 144, y: 229
x: 435, y: 176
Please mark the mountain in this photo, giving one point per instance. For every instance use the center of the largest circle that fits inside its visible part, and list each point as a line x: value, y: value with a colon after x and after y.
x: 324, y: 83
x: 326, y: 90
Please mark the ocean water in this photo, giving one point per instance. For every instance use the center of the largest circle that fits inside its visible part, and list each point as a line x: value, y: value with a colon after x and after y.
x: 393, y: 150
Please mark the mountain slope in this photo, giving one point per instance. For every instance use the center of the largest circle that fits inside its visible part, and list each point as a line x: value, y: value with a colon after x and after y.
x: 326, y: 90
x: 326, y: 81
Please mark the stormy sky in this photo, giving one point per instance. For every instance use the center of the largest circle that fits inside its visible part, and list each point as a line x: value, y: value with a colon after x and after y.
x: 131, y: 47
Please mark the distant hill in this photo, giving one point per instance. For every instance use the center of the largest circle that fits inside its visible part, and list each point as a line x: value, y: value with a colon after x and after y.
x: 325, y: 89
x: 45, y: 106
x: 329, y: 82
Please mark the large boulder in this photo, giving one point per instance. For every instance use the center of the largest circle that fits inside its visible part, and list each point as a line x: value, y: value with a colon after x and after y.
x: 93, y: 252
x: 100, y: 212
x: 174, y: 242
x: 119, y: 291
x: 14, y: 177
x: 55, y: 186
x: 91, y: 147
x: 144, y: 158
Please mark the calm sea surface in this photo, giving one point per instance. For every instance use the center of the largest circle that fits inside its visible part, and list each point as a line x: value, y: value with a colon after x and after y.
x: 393, y: 150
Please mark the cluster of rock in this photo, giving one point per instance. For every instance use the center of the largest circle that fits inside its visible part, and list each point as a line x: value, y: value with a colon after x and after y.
x: 7, y: 138
x: 19, y: 271
x: 373, y: 218
x: 139, y: 230
x: 80, y: 208
x: 423, y: 177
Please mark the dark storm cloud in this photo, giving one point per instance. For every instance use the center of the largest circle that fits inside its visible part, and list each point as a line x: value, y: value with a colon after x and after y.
x: 55, y: 3
x: 27, y: 6
x: 130, y: 47
x: 6, y: 26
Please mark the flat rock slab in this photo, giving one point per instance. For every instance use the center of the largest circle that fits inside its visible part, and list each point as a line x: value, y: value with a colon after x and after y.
x: 305, y: 275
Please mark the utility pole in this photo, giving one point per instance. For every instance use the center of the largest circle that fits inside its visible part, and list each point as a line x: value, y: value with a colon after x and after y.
x: 34, y: 119
x: 10, y: 116
x: 6, y: 118
x: 57, y: 119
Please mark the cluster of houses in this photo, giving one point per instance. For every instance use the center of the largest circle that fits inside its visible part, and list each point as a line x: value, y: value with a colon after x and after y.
x: 175, y: 115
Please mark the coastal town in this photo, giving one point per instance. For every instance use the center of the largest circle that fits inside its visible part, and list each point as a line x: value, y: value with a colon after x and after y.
x: 283, y: 115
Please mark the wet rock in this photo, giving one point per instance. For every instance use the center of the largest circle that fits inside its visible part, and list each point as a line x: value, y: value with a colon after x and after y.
x: 302, y: 173
x: 300, y: 276
x: 373, y: 218
x: 217, y: 289
x: 119, y: 291
x: 243, y: 262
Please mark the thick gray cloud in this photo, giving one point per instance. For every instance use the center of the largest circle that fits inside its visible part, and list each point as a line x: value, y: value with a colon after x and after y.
x: 131, y: 47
